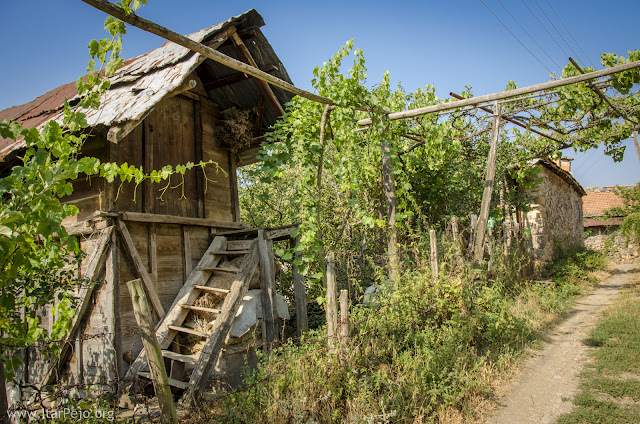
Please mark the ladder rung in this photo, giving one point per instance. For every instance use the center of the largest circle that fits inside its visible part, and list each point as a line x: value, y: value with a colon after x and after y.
x: 187, y: 359
x: 201, y: 309
x: 172, y: 381
x: 188, y: 330
x: 212, y: 289
x: 216, y: 269
x: 230, y: 252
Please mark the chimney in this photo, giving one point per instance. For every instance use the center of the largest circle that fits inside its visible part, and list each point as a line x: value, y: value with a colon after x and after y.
x: 564, y: 163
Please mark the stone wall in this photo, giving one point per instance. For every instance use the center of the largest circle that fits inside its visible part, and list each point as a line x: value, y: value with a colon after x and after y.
x: 611, y: 243
x: 556, y: 217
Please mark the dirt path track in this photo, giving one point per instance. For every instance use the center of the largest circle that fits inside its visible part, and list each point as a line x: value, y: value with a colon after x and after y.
x: 548, y: 381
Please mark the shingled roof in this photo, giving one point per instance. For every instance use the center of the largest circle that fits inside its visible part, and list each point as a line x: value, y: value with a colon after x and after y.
x: 596, y: 202
x: 138, y: 86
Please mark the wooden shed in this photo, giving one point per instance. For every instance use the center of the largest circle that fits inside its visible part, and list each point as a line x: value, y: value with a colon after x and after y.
x: 170, y: 106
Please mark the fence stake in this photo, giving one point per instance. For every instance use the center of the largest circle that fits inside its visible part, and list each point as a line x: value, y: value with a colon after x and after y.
x: 332, y: 305
x: 344, y: 318
x: 455, y: 231
x: 435, y: 268
x: 144, y: 318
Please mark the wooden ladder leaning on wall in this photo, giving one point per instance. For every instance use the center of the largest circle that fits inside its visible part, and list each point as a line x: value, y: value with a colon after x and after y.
x: 196, y: 286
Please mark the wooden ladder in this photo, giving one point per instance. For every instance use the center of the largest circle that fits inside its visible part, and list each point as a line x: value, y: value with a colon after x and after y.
x: 185, y: 302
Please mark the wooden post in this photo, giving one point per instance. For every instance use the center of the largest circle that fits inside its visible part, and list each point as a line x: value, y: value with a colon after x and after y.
x: 300, y: 294
x: 332, y: 306
x: 473, y: 224
x: 344, y: 318
x: 144, y: 318
x: 478, y: 251
x: 187, y: 265
x: 344, y: 323
x: 435, y: 267
x: 455, y: 231
x: 390, y: 197
x: 635, y: 141
x: 268, y: 294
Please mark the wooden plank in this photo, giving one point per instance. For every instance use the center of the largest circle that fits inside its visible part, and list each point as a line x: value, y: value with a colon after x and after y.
x: 332, y: 304
x: 201, y: 309
x: 171, y: 219
x: 140, y: 268
x: 187, y: 359
x: 483, y: 218
x: 233, y: 185
x: 186, y: 253
x: 300, y: 294
x: 186, y: 296
x: 153, y: 252
x: 257, y: 125
x: 268, y: 293
x: 158, y: 373
x: 197, y: 130
x: 213, y: 347
x: 216, y: 269
x: 433, y: 254
x: 227, y: 252
x: 188, y: 330
x: 149, y: 190
x: 239, y: 244
x: 172, y: 381
x: 95, y: 264
x: 212, y: 289
x: 111, y: 316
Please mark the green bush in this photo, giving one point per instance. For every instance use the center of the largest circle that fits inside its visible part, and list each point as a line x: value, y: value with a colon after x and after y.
x: 421, y: 350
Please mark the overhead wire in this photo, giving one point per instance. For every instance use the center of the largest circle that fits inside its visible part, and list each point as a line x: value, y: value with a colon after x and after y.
x: 570, y: 34
x: 545, y: 28
x: 554, y: 27
x: 517, y: 39
x: 530, y: 36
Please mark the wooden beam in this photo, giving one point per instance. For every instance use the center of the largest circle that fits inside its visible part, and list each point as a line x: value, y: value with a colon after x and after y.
x: 153, y: 252
x: 264, y: 87
x: 506, y: 94
x: 268, y: 292
x: 197, y: 132
x: 232, y: 79
x: 513, y: 121
x: 221, y: 326
x: 433, y: 254
x: 144, y: 318
x: 186, y: 253
x: 483, y: 218
x: 146, y: 25
x: 127, y: 241
x: 95, y: 264
x: 170, y: 219
x: 635, y: 141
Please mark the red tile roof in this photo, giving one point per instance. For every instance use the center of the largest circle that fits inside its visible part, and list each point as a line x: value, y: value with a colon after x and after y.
x: 600, y: 199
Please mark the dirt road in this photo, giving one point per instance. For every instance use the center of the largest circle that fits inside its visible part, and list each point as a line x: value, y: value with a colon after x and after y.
x: 548, y: 380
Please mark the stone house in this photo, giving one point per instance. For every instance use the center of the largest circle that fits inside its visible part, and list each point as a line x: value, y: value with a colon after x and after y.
x: 555, y: 219
x: 599, y: 231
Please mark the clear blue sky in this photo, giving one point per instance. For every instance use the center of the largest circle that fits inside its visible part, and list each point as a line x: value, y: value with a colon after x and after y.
x: 450, y: 44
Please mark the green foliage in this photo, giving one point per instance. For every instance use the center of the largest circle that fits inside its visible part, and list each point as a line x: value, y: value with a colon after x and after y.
x: 610, y: 386
x: 630, y: 211
x: 419, y: 353
x: 38, y: 259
